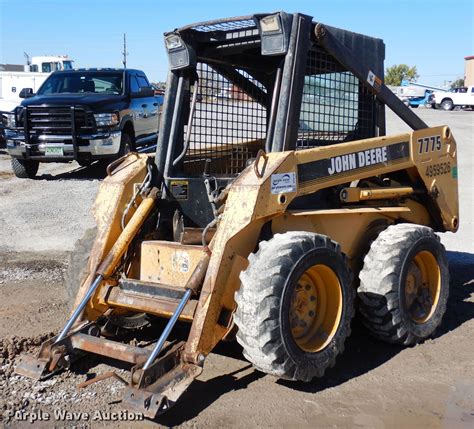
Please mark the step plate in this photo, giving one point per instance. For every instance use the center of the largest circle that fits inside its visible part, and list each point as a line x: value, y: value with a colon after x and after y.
x: 152, y: 298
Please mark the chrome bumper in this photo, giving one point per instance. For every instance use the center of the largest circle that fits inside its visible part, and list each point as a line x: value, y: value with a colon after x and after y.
x: 98, y: 144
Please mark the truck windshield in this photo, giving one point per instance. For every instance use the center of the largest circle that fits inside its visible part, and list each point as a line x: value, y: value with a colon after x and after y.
x: 80, y: 83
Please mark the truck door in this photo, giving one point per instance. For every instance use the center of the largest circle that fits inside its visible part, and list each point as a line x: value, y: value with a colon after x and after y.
x: 136, y: 106
x: 150, y: 106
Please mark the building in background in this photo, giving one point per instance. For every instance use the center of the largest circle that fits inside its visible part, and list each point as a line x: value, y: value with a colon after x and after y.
x: 469, y: 70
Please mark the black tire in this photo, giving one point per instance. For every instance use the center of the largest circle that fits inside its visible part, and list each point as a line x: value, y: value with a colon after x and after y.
x: 414, y: 106
x: 84, y: 162
x: 447, y: 104
x: 78, y: 271
x: 266, y: 298
x: 24, y: 169
x: 78, y: 260
x: 404, y: 258
x: 126, y: 144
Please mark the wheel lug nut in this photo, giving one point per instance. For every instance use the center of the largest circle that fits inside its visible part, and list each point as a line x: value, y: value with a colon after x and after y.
x: 313, y: 298
x: 311, y: 313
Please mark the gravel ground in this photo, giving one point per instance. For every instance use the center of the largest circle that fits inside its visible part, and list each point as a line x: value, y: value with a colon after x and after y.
x: 373, y: 385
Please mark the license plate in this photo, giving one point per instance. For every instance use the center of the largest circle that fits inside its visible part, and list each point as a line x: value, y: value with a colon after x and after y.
x: 54, y: 151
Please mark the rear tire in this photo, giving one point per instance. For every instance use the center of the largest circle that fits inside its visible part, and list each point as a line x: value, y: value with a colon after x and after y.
x: 24, y: 169
x: 404, y: 284
x: 295, y: 305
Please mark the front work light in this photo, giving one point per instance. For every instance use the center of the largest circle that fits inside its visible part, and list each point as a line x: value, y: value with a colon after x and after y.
x: 180, y: 54
x: 173, y: 41
x: 275, y: 32
x: 270, y: 24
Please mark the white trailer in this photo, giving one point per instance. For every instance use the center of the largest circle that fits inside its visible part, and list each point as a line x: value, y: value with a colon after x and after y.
x: 34, y: 74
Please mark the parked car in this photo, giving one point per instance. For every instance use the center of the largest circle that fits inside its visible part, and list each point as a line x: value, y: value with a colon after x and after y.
x: 457, y: 97
x: 82, y: 115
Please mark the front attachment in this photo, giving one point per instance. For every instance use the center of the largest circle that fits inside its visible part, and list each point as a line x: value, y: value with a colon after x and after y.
x: 155, y: 390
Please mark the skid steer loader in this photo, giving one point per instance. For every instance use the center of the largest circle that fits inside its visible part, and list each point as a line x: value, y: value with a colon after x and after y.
x: 274, y: 205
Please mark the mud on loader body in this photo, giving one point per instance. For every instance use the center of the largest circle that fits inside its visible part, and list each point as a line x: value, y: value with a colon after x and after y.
x: 273, y: 199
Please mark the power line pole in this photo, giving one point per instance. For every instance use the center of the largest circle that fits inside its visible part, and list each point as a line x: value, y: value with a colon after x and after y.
x: 124, y: 53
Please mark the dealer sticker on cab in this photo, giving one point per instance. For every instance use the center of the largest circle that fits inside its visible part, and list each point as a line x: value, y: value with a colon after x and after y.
x: 283, y: 183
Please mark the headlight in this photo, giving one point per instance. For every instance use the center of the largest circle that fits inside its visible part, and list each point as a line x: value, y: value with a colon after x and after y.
x: 270, y: 24
x: 106, y: 119
x: 10, y: 120
x: 173, y: 41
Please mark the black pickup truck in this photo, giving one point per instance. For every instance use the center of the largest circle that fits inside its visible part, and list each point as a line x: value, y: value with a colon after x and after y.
x: 82, y: 115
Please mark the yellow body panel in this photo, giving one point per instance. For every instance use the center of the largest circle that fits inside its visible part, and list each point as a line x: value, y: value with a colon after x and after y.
x: 261, y: 195
x: 168, y: 262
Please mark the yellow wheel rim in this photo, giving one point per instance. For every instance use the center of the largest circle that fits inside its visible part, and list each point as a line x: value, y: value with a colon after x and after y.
x: 422, y: 286
x: 315, y: 308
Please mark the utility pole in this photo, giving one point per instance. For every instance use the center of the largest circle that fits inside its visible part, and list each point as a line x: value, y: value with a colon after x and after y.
x: 124, y: 53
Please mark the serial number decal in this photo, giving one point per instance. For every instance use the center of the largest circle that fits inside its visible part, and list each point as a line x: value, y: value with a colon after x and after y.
x: 337, y: 166
x: 438, y: 169
x: 429, y: 144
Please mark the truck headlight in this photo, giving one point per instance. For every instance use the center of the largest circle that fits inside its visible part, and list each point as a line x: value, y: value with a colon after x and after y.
x: 106, y: 119
x: 10, y: 120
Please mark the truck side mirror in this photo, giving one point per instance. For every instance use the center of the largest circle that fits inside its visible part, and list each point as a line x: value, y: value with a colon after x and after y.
x: 144, y: 91
x: 26, y: 93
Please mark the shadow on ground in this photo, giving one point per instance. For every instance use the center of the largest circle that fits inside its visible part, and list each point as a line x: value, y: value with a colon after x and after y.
x: 95, y: 171
x: 362, y: 354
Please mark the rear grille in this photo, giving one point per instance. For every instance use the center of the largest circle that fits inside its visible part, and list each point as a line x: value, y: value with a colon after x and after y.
x: 59, y: 120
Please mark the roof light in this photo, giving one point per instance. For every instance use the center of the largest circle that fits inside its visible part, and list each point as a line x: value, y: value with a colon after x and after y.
x: 270, y: 24
x: 180, y: 53
x: 173, y: 41
x: 275, y: 32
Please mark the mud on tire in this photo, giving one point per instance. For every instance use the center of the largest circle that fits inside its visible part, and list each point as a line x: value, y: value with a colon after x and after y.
x: 404, y: 284
x: 273, y: 340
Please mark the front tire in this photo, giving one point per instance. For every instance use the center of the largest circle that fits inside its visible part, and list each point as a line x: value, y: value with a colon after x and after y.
x: 126, y: 144
x: 404, y: 284
x: 78, y: 271
x: 447, y: 104
x: 24, y: 169
x: 295, y: 305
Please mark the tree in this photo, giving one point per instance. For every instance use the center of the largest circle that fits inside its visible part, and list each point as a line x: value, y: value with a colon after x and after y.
x: 457, y: 83
x: 398, y: 72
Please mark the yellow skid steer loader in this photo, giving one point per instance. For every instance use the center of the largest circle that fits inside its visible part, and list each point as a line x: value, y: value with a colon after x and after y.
x: 273, y: 200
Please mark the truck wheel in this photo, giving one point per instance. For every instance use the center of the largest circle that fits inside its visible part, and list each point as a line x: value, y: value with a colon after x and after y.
x: 25, y: 169
x: 295, y: 305
x: 404, y: 284
x: 447, y: 104
x: 84, y: 162
x: 126, y: 144
x: 77, y: 272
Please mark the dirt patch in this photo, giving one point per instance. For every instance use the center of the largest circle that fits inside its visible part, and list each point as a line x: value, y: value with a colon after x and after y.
x: 373, y: 384
x: 430, y: 384
x: 6, y: 175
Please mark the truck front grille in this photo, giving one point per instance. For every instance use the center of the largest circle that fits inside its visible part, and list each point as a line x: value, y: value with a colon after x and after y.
x: 59, y: 120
